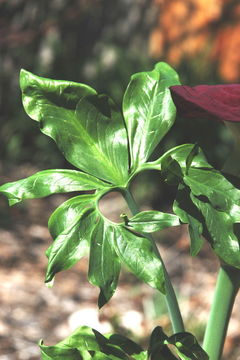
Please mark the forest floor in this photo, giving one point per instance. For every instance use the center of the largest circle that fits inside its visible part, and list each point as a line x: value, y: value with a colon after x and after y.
x: 30, y: 311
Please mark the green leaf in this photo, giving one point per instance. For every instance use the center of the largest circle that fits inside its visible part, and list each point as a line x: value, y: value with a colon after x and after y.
x: 221, y: 194
x: 59, y: 94
x: 183, y: 346
x: 157, y: 347
x: 48, y: 182
x: 189, y: 214
x: 74, y: 347
x: 150, y: 221
x: 190, y: 158
x: 70, y: 225
x: 208, y: 202
x: 106, y: 347
x: 124, y: 343
x: 219, y: 203
x: 104, y: 265
x: 87, y: 344
x: 187, y: 347
x: 69, y: 211
x: 178, y: 160
x: 106, y: 138
x: 137, y: 252
x: 220, y: 232
x: 142, y: 356
x: 112, y: 244
x: 186, y: 155
x: 174, y: 164
x: 58, y: 353
x: 82, y: 124
x: 77, y: 225
x: 149, y: 111
x: 82, y: 338
x: 171, y: 171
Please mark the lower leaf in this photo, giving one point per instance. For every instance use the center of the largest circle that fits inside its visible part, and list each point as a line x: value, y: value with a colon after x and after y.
x: 88, y: 344
x: 138, y: 254
x: 71, y: 244
x: 47, y: 182
x: 104, y: 265
x: 220, y: 232
x: 182, y: 346
x: 151, y: 221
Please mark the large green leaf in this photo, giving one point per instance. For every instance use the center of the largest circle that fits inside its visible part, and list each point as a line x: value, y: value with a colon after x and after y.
x: 186, y: 155
x: 105, y: 141
x: 149, y: 111
x: 207, y: 201
x: 78, y: 224
x: 219, y: 203
x: 69, y: 211
x: 184, y: 346
x: 70, y: 225
x: 48, y: 182
x: 151, y: 221
x: 104, y: 265
x: 86, y: 127
x: 187, y: 347
x: 220, y: 232
x: 157, y: 347
x: 112, y: 244
x: 137, y: 252
x: 88, y: 344
x: 220, y: 193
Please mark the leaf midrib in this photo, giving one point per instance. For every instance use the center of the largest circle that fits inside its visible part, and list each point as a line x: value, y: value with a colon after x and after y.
x: 146, y: 123
x: 92, y: 144
x: 103, y: 158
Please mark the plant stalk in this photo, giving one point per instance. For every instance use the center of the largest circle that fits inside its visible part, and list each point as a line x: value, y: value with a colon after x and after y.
x: 227, y: 286
x: 171, y: 299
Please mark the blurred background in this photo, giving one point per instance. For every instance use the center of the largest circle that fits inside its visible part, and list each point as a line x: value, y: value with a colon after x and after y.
x: 101, y: 43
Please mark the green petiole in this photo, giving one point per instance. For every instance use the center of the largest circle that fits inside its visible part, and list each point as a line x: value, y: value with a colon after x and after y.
x: 227, y: 286
x: 171, y: 299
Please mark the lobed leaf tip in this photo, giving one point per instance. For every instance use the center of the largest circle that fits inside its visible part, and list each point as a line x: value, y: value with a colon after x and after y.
x: 23, y: 76
x: 23, y: 72
x: 13, y: 201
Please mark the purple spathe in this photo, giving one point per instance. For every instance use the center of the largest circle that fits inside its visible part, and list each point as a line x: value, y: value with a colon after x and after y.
x: 213, y: 102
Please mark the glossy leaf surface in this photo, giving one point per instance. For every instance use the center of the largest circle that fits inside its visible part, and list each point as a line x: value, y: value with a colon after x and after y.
x: 181, y: 154
x: 70, y: 226
x: 220, y: 232
x: 210, y: 204
x: 77, y: 226
x: 81, y: 123
x: 221, y: 194
x: 88, y: 344
x: 218, y: 202
x: 137, y: 253
x: 184, y: 346
x: 48, y: 182
x: 104, y: 265
x: 151, y: 221
x: 105, y: 139
x: 149, y: 111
